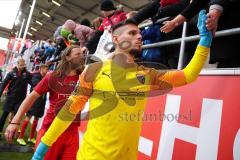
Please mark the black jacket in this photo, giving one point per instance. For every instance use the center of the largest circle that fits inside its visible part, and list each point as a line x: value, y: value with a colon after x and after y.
x: 38, y: 107
x: 155, y: 11
x: 18, y: 82
x: 230, y: 16
x: 193, y: 8
x: 225, y: 49
x: 36, y: 77
x: 226, y: 4
x: 93, y: 41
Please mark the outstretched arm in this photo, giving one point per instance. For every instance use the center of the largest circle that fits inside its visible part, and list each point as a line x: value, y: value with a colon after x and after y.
x: 147, y: 12
x: 173, y: 9
x: 189, y: 12
x: 192, y: 70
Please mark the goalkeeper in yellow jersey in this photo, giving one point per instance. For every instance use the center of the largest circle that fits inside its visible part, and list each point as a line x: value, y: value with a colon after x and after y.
x: 119, y: 86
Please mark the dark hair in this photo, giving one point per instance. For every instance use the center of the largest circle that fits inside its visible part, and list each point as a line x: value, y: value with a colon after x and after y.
x: 64, y: 65
x: 123, y: 23
x: 86, y: 22
x: 107, y: 5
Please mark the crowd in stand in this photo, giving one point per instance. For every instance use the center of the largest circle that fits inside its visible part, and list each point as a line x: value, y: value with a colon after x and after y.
x: 95, y: 36
x: 73, y: 40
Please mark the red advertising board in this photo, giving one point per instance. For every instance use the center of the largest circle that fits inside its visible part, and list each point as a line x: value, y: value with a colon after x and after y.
x: 197, y: 121
x: 2, y: 57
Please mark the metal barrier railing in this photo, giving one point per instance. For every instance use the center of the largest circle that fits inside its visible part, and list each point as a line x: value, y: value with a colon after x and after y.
x: 182, y: 47
x: 220, y: 72
x: 192, y: 38
x: 185, y: 39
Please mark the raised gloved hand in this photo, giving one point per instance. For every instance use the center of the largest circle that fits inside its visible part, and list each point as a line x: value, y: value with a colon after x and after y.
x: 205, y: 34
x: 40, y: 151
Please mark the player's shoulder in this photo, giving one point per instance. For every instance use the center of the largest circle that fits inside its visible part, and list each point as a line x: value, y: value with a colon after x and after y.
x: 91, y: 70
x: 48, y: 75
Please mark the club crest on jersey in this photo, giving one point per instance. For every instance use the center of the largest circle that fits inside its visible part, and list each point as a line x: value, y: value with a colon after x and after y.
x: 141, y: 78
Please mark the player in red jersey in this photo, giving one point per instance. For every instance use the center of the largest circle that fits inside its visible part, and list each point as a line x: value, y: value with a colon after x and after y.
x: 60, y: 84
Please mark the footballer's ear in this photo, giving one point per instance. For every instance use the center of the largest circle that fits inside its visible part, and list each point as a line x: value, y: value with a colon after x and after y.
x: 115, y: 39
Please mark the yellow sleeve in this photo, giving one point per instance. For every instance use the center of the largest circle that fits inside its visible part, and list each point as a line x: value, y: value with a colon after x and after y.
x: 67, y: 114
x: 192, y: 70
x: 166, y: 80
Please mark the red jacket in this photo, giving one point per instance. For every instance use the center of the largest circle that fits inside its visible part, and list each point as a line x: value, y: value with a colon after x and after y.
x: 168, y: 2
x: 116, y: 18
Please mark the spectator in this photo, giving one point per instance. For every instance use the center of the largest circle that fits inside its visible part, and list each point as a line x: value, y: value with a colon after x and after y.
x: 59, y: 40
x: 188, y: 10
x: 24, y: 48
x: 223, y: 15
x: 50, y: 50
x: 76, y: 32
x: 36, y: 60
x: 97, y: 22
x: 41, y: 54
x: 111, y: 17
x: 57, y: 33
x: 86, y: 22
x: 186, y: 14
x: 224, y: 48
x: 131, y: 14
x: 160, y: 8
x: 152, y: 34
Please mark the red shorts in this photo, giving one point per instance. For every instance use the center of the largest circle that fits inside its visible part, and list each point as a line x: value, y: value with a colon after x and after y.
x: 66, y: 146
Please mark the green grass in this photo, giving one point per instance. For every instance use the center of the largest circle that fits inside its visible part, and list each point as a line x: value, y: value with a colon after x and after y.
x: 14, y: 155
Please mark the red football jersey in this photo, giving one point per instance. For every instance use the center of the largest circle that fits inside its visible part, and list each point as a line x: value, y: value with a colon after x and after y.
x: 59, y: 90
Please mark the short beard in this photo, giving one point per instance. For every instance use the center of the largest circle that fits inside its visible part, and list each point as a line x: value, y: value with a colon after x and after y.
x: 76, y: 66
x: 135, y: 52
